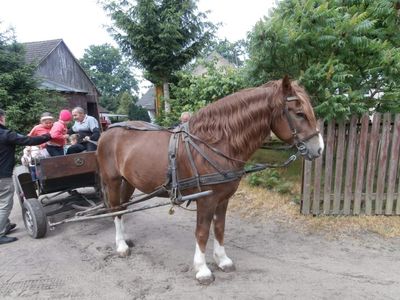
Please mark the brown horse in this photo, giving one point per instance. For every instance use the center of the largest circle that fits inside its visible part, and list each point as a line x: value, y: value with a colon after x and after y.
x: 236, y: 126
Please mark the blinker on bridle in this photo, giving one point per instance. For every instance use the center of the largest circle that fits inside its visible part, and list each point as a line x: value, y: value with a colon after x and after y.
x: 297, y: 142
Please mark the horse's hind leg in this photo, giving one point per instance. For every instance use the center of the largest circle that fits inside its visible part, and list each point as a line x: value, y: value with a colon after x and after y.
x: 220, y: 257
x: 113, y: 186
x: 126, y: 190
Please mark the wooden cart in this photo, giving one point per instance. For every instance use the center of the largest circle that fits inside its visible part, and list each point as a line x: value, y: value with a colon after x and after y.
x: 49, y: 188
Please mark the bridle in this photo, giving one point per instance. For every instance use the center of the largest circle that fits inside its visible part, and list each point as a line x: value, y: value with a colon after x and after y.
x: 300, y: 144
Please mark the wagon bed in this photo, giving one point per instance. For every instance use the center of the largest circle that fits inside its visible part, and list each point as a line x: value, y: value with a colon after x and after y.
x: 55, y: 188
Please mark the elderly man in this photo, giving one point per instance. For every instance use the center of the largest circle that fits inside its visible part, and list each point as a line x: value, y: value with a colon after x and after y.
x: 88, y: 130
x: 8, y: 140
x: 185, y: 116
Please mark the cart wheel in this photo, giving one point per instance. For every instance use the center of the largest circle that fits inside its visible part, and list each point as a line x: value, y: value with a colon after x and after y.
x: 35, y: 219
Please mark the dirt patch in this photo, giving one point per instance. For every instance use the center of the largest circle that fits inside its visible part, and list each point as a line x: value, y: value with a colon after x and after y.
x: 264, y: 205
x: 278, y: 253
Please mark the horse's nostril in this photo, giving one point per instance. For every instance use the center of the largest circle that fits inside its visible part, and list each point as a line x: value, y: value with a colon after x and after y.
x: 319, y: 151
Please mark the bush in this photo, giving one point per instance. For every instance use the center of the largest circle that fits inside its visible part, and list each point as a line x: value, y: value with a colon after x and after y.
x: 269, y: 179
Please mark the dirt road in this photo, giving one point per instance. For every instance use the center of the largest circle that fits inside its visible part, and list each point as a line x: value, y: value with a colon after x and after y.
x: 78, y: 261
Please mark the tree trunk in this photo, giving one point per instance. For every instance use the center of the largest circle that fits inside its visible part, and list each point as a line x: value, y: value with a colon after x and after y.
x: 166, y: 97
x: 159, y: 94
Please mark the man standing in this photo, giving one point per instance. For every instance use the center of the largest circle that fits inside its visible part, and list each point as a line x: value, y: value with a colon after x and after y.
x: 87, y: 127
x: 8, y: 140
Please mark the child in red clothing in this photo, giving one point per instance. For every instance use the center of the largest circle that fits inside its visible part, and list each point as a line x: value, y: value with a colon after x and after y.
x: 46, y: 122
x: 58, y: 133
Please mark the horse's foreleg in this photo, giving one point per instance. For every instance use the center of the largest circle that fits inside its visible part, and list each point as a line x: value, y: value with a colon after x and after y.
x: 204, y: 218
x: 220, y: 257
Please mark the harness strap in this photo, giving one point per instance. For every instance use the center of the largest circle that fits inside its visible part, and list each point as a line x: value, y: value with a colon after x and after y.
x: 290, y: 122
x: 185, y: 138
x: 298, y: 143
x: 201, y: 152
x: 172, y: 170
x: 215, y: 150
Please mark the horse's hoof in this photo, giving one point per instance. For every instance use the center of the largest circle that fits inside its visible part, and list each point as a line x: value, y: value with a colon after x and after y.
x: 123, y: 251
x: 228, y: 268
x: 206, y: 280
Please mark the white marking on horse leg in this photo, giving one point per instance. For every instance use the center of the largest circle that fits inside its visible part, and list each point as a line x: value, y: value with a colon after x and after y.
x: 123, y: 233
x: 220, y: 257
x: 122, y: 247
x: 203, y: 273
x: 321, y: 142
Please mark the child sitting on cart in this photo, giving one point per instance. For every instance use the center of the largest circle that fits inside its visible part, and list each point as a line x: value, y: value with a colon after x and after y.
x: 30, y: 154
x: 73, y: 140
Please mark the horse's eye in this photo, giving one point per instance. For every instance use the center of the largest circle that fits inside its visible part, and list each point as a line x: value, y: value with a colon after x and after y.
x: 300, y: 115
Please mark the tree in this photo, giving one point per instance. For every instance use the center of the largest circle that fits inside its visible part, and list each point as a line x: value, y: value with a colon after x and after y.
x: 190, y: 92
x: 346, y: 53
x: 137, y: 112
x: 128, y: 106
x: 124, y: 103
x: 160, y: 36
x: 19, y: 94
x: 110, y: 73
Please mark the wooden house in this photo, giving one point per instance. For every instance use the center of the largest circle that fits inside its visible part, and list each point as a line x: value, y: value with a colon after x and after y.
x: 58, y: 70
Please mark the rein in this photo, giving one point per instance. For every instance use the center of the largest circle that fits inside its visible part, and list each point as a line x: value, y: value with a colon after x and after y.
x: 174, y: 186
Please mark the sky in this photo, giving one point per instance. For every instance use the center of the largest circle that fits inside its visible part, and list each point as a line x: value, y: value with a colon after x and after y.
x: 81, y: 23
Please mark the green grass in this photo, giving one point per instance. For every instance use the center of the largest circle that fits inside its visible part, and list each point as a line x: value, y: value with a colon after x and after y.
x: 290, y: 173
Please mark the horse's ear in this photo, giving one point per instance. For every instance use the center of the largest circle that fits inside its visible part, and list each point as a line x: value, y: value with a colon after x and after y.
x: 286, y: 87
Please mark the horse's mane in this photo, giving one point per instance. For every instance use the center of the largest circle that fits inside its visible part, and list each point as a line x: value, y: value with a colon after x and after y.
x: 243, y: 118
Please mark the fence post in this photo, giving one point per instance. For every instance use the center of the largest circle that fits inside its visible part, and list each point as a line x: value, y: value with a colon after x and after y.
x: 361, y: 158
x: 348, y: 182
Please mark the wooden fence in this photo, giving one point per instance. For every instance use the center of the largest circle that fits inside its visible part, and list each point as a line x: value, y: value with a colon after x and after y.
x: 359, y: 170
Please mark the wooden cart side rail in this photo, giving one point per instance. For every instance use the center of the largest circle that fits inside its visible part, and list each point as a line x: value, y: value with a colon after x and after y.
x: 67, y: 165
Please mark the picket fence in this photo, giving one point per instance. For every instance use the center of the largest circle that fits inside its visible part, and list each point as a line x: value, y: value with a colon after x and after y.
x: 358, y: 174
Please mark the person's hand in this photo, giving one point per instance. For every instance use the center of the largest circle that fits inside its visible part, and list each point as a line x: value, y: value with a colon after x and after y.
x: 86, y: 138
x: 66, y: 136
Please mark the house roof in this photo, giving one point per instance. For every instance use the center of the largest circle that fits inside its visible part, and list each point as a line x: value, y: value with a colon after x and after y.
x: 220, y: 63
x: 147, y: 100
x: 36, y: 52
x: 47, y: 84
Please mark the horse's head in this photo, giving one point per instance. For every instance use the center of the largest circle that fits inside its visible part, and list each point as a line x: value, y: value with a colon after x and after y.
x: 294, y: 120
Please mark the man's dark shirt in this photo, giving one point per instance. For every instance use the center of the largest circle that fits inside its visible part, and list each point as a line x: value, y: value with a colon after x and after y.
x: 8, y: 140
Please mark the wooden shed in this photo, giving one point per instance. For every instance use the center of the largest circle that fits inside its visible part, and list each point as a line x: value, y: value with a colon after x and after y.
x: 58, y: 70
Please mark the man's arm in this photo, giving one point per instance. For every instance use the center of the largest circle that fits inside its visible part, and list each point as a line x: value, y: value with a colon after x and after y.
x: 19, y: 139
x: 94, y: 128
